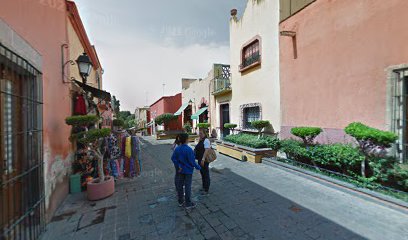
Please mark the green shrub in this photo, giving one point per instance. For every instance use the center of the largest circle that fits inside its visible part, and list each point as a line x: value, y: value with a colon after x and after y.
x: 188, y: 127
x: 260, y: 125
x: 203, y: 125
x: 307, y: 134
x: 378, y: 137
x: 118, y: 123
x: 253, y: 141
x: 342, y: 157
x: 165, y: 118
x: 295, y: 150
x: 93, y: 135
x: 230, y: 126
x: 83, y: 120
x: 372, y: 142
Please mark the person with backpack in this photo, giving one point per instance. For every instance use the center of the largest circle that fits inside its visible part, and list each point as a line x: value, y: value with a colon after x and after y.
x: 184, y: 162
x: 202, y: 153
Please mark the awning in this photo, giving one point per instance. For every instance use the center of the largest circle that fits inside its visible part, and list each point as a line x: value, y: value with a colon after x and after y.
x: 198, y: 113
x: 181, y: 109
x: 95, y: 92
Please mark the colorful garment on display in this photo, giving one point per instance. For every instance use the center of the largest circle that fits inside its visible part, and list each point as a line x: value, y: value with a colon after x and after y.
x: 128, y: 147
x: 79, y: 106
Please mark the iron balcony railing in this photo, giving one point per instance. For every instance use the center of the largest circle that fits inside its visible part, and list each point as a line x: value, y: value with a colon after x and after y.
x: 221, y: 85
x: 254, y: 58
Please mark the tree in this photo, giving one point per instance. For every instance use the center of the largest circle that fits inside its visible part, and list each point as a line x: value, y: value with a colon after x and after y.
x: 92, y: 138
x: 372, y: 142
x: 165, y: 118
x: 307, y: 134
x: 260, y: 125
x: 230, y: 126
x: 115, y: 105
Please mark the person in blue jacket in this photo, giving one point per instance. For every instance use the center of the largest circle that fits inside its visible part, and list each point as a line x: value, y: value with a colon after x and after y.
x: 184, y: 160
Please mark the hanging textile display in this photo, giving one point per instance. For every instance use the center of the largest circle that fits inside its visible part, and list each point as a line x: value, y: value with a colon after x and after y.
x: 79, y: 105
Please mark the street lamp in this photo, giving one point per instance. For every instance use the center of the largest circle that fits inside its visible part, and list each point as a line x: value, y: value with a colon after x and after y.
x: 84, y: 66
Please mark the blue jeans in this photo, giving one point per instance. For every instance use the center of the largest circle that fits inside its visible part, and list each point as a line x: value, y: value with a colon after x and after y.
x: 183, y: 187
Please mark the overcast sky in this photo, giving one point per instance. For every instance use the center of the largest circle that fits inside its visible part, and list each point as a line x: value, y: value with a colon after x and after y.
x: 143, y: 44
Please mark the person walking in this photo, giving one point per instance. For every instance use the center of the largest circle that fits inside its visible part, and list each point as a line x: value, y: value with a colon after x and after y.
x: 184, y: 161
x: 177, y: 174
x: 201, y: 151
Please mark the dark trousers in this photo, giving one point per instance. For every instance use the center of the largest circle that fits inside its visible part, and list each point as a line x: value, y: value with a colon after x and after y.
x: 205, y: 176
x: 183, y: 186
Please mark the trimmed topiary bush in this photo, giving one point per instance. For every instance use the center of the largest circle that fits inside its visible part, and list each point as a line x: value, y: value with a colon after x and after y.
x: 307, y: 134
x: 203, y: 125
x: 372, y: 142
x: 187, y: 127
x: 165, y: 118
x: 260, y: 125
x: 118, y: 123
x: 82, y: 120
x: 231, y: 126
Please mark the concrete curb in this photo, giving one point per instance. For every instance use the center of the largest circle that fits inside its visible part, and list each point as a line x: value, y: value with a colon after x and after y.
x: 344, y: 186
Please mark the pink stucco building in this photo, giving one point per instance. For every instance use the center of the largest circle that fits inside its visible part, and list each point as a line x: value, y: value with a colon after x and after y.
x: 343, y: 61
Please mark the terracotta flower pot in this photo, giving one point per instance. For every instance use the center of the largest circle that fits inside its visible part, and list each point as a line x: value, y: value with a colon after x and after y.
x: 97, y: 190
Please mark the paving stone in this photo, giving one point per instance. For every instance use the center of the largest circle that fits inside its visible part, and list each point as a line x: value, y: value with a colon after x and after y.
x: 247, y: 201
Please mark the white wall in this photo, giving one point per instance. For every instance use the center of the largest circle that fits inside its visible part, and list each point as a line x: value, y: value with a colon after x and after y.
x: 261, y: 17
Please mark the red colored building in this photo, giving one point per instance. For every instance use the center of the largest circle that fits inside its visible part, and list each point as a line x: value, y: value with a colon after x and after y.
x: 167, y: 104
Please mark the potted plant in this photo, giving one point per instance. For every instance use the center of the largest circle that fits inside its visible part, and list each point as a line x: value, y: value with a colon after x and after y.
x: 93, y: 139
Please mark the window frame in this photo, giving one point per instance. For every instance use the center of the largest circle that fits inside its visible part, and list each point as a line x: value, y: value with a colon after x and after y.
x: 243, y: 123
x: 243, y: 67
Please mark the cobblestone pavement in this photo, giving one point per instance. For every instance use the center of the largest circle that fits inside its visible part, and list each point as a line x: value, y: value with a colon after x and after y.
x: 247, y: 201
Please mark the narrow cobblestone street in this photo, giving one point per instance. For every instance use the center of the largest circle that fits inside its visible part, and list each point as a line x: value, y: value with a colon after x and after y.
x: 247, y: 201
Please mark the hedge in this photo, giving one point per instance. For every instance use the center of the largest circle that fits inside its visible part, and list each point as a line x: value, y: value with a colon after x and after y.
x: 93, y: 135
x: 253, y: 141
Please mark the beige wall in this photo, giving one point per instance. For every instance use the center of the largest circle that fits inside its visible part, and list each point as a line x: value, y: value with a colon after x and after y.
x: 198, y: 91
x: 260, y: 85
x: 76, y: 49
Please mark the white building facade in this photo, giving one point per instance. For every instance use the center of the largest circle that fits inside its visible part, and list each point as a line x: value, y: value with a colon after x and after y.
x: 254, y: 56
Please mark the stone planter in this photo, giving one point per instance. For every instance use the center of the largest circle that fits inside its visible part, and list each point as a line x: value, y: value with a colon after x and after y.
x: 244, y: 153
x: 99, y: 190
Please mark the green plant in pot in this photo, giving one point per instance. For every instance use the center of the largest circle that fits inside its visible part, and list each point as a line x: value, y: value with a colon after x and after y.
x: 93, y: 140
x: 260, y: 125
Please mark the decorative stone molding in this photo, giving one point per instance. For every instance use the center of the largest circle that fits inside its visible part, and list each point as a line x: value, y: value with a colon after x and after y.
x: 242, y: 107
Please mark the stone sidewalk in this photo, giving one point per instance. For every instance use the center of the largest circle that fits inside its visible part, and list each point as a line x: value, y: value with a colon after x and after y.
x: 247, y: 201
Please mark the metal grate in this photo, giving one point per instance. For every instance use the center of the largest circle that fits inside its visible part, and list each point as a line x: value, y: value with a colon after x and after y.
x: 21, y: 149
x: 399, y: 113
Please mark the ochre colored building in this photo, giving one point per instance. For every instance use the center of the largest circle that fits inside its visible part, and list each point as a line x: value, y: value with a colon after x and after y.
x: 343, y: 61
